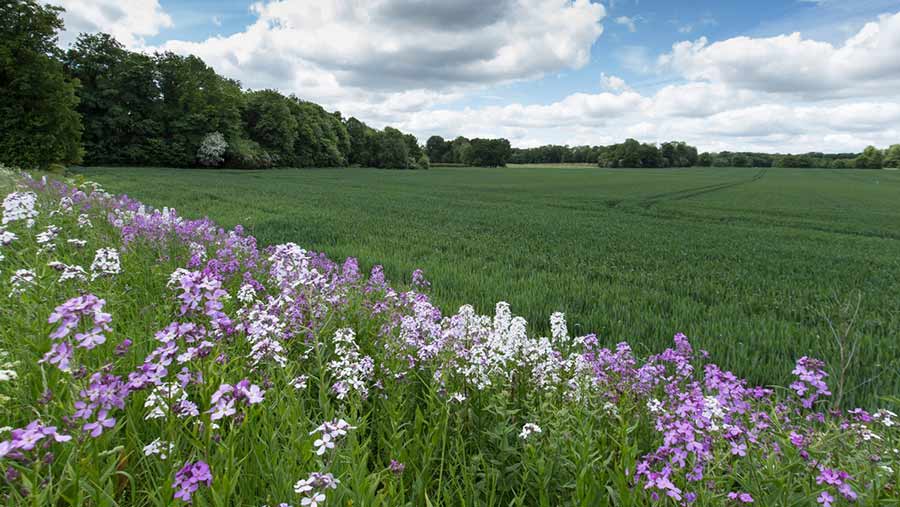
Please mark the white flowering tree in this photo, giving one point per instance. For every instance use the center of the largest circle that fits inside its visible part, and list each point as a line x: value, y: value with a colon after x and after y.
x: 212, y: 149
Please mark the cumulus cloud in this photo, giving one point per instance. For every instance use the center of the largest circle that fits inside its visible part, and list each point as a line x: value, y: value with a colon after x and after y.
x: 398, y: 45
x: 864, y: 64
x: 129, y: 21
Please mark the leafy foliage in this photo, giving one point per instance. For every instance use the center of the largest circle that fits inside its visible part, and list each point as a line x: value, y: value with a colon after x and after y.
x: 38, y: 123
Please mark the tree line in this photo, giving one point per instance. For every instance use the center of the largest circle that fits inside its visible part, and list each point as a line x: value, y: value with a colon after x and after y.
x: 98, y: 103
x: 633, y: 153
x: 474, y: 152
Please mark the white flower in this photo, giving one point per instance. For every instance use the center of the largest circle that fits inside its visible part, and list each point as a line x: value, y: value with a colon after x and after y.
x: 160, y: 448
x: 69, y: 272
x: 7, y: 237
x: 106, y: 262
x: 529, y: 429
x: 20, y: 206
x: 246, y: 294
x: 299, y: 382
x: 84, y: 222
x: 20, y: 280
x: 46, y: 238
x: 77, y: 242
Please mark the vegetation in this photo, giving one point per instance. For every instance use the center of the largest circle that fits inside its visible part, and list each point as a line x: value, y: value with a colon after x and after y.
x: 742, y: 261
x: 38, y: 123
x: 151, y: 360
x: 632, y: 153
x: 472, y: 152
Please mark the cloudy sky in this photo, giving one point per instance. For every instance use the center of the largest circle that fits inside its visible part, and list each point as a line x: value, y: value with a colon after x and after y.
x: 766, y: 75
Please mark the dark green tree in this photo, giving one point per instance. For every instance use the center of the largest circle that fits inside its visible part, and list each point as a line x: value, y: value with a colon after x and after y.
x: 38, y: 121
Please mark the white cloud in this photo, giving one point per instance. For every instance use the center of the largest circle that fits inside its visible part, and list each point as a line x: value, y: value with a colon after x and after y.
x: 865, y: 64
x: 399, y: 45
x: 627, y: 22
x: 127, y: 20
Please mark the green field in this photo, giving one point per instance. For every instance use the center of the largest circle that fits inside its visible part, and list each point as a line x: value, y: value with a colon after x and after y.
x: 744, y: 261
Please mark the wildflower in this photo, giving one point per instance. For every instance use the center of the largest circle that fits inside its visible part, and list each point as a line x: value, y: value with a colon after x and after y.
x: 73, y: 272
x: 396, y: 467
x: 106, y: 262
x: 558, y: 329
x: 811, y: 383
x: 227, y: 397
x: 25, y: 439
x: 351, y: 370
x: 7, y: 237
x: 740, y: 497
x: 45, y: 239
x: 79, y: 243
x: 419, y: 281
x: 84, y: 222
x: 825, y: 499
x: 20, y: 206
x: 189, y: 479
x: 299, y: 382
x: 314, y: 487
x: 163, y: 396
x: 20, y: 281
x: 331, y: 432
x: 159, y: 448
x: 246, y: 294
x: 528, y: 429
x: 70, y: 315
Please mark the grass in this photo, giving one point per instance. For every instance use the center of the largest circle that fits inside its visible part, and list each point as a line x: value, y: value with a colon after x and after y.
x: 750, y: 263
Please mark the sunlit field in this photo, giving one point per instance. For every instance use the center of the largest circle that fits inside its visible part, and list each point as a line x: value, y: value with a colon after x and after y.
x: 756, y: 266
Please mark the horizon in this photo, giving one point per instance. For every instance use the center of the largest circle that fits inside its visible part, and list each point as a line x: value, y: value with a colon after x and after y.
x: 786, y: 77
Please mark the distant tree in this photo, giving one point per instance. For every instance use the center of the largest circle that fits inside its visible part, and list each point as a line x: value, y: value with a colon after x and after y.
x: 268, y: 121
x: 460, y: 150
x: 38, y: 121
x: 392, y: 150
x: 437, y: 149
x: 488, y: 152
x: 119, y: 101
x: 871, y: 158
x: 212, y: 150
x: 705, y: 160
x: 194, y: 101
x: 892, y: 156
x: 360, y: 142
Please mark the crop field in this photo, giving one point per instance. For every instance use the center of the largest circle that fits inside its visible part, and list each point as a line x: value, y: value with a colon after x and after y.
x: 151, y: 359
x: 751, y: 264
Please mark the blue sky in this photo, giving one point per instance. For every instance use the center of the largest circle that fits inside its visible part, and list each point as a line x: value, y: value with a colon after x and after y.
x: 724, y: 75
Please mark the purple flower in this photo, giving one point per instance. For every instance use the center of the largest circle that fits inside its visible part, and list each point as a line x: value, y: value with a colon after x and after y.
x: 190, y: 478
x: 396, y: 467
x: 740, y: 497
x: 825, y: 499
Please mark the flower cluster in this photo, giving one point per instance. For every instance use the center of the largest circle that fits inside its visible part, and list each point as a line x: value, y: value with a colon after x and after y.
x: 331, y: 433
x: 106, y: 263
x: 351, y: 370
x: 27, y: 438
x: 189, y: 479
x: 20, y: 281
x: 529, y: 429
x: 20, y: 206
x: 227, y: 396
x: 313, y: 488
x: 69, y: 315
x: 811, y: 383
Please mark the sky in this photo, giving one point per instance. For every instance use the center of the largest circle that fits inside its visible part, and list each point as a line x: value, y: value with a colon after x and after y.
x: 764, y: 75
